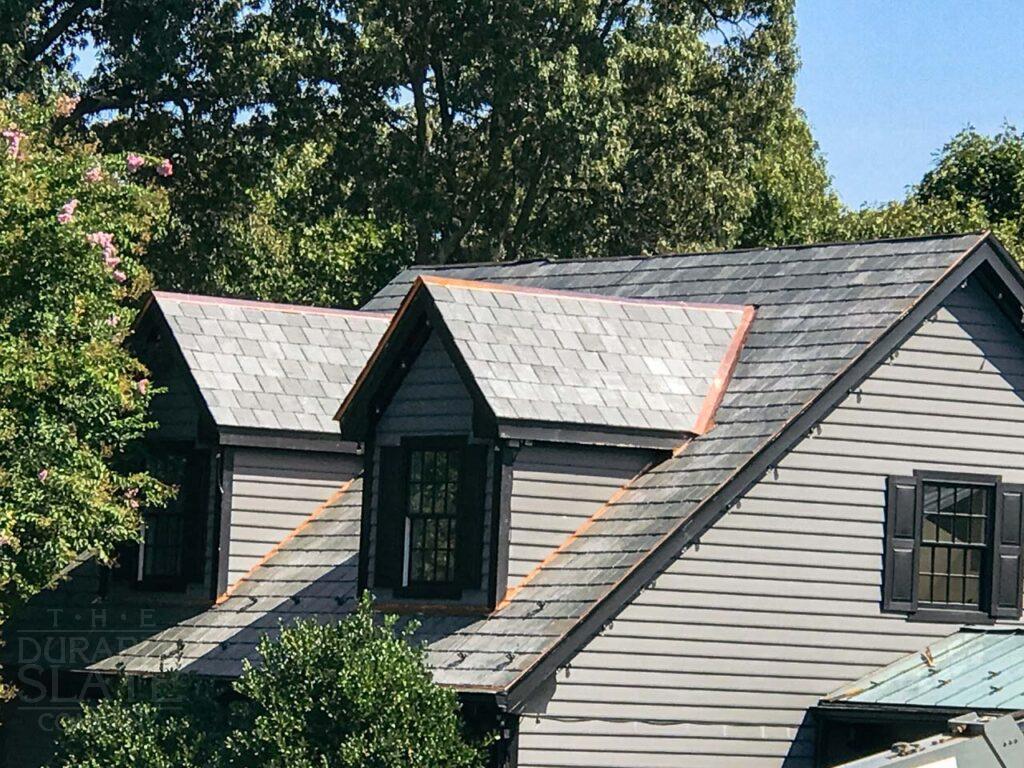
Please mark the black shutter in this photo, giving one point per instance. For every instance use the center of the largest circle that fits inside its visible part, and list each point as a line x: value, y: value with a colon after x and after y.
x: 1006, y: 551
x: 472, y: 485
x: 196, y: 507
x: 901, y: 549
x: 391, y: 485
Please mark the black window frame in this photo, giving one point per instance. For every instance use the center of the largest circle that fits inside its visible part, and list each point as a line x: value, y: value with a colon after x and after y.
x: 437, y: 587
x: 1001, y: 566
x: 391, y: 534
x: 192, y: 509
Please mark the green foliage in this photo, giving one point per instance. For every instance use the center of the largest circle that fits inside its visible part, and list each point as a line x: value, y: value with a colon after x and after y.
x: 793, y: 200
x: 434, y: 129
x: 350, y: 695
x: 163, y: 732
x: 977, y: 183
x: 356, y: 694
x: 71, y: 397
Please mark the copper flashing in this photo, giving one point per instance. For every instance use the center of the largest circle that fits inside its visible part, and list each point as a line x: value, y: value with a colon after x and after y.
x: 713, y: 398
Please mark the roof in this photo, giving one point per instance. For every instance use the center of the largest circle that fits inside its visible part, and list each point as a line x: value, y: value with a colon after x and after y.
x: 311, y: 573
x: 981, y: 670
x: 259, y: 365
x: 827, y: 315
x: 541, y: 358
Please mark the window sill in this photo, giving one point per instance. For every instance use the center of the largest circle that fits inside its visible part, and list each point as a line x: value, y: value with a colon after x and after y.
x: 949, y: 616
x: 430, y: 607
x: 431, y: 592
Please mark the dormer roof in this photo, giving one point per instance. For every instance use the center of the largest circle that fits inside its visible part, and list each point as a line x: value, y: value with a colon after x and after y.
x: 265, y: 366
x: 563, y: 365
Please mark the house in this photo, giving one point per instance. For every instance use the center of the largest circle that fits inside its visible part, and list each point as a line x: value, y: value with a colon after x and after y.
x: 653, y: 511
x: 246, y: 433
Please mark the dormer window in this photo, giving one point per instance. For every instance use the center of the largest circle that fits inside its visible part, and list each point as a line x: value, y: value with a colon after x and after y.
x: 430, y: 526
x: 431, y: 517
x: 171, y: 552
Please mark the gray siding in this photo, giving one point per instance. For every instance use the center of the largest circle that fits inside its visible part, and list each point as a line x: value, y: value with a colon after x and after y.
x: 432, y: 400
x: 554, y: 490
x: 274, y: 491
x: 716, y: 663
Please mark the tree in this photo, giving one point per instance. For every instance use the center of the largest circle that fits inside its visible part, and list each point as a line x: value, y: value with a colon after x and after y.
x: 347, y: 695
x: 356, y: 694
x: 977, y: 183
x: 179, y: 726
x: 72, y: 399
x: 793, y: 197
x: 469, y: 130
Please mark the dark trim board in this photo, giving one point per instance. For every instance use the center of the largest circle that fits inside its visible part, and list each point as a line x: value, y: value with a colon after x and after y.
x: 501, y: 521
x: 223, y: 508
x: 366, y: 507
x: 763, y: 459
x: 581, y: 434
x: 286, y: 440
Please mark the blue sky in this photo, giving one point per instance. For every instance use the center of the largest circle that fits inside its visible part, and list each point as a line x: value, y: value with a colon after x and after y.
x: 885, y: 83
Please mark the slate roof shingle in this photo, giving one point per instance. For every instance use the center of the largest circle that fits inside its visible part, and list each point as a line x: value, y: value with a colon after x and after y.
x: 259, y: 365
x: 819, y: 307
x: 582, y: 360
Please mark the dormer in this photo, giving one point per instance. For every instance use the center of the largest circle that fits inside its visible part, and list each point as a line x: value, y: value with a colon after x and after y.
x: 498, y: 419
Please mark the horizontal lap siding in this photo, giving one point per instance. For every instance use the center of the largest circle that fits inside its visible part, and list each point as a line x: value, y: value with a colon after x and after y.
x: 718, y: 661
x: 554, y: 490
x: 274, y: 491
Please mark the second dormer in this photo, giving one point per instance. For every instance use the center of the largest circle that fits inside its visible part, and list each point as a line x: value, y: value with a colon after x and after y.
x: 498, y: 420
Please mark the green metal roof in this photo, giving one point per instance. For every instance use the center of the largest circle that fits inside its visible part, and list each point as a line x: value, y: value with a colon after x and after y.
x: 972, y: 669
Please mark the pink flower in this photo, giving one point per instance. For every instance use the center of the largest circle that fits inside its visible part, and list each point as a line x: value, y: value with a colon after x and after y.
x: 66, y: 105
x: 142, y: 385
x: 113, y: 320
x: 43, y: 474
x: 104, y: 240
x: 67, y: 211
x: 134, y: 162
x: 165, y: 168
x: 14, y: 137
x: 94, y: 174
x: 120, y: 276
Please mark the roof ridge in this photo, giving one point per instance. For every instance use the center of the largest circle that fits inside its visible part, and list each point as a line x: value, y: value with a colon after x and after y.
x: 303, y: 309
x: 568, y: 293
x: 696, y: 252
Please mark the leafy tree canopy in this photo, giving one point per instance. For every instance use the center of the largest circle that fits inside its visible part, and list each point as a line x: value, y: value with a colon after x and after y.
x: 356, y: 694
x: 72, y: 223
x: 347, y: 136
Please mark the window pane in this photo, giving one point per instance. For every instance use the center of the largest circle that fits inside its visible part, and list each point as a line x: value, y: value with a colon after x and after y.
x: 971, y: 594
x: 953, y: 534
x: 432, y: 512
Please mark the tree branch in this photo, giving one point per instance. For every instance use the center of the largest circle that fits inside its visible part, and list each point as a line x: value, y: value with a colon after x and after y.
x: 33, y: 51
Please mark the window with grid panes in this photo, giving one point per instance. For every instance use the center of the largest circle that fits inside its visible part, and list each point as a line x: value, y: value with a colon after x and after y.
x: 954, y: 541
x: 953, y: 547
x: 431, y: 521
